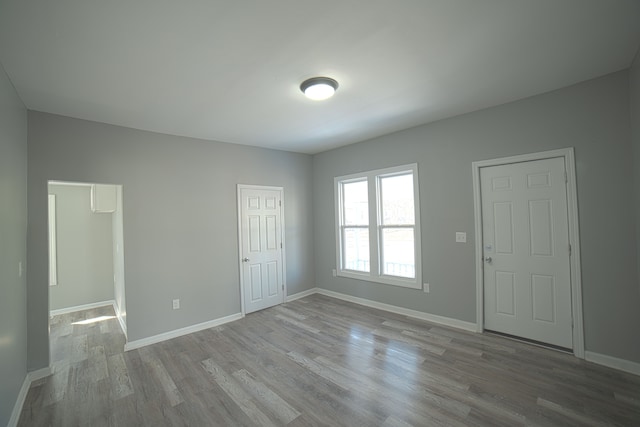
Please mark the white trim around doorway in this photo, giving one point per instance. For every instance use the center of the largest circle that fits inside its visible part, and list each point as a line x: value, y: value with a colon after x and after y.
x: 574, y: 238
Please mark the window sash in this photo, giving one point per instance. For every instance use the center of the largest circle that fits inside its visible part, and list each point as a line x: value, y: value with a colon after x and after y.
x: 363, y: 263
x: 403, y: 269
x: 344, y: 219
x: 383, y: 199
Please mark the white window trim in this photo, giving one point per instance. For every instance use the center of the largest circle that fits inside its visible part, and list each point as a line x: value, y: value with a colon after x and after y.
x: 53, y: 257
x: 374, y: 274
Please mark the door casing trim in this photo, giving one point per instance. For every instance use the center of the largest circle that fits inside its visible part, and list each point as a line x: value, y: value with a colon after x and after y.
x: 240, y: 187
x: 574, y: 237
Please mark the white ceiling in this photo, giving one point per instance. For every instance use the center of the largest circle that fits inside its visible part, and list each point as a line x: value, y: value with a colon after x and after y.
x: 230, y: 70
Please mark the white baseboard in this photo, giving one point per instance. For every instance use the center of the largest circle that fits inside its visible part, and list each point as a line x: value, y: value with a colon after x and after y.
x: 40, y: 373
x: 132, y: 345
x: 301, y: 294
x: 17, y: 408
x: 81, y: 307
x: 441, y: 320
x: 123, y: 324
x: 613, y: 362
x: 24, y: 390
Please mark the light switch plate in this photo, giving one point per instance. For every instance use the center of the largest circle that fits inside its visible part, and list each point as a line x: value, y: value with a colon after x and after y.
x: 461, y: 237
x: 176, y: 304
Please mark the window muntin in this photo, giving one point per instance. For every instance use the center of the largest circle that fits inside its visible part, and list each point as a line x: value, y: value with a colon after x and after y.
x: 377, y: 232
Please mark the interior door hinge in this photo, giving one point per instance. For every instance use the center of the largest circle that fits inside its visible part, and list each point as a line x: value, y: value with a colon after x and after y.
x: 566, y: 178
x: 280, y: 245
x: 569, y: 249
x: 279, y: 202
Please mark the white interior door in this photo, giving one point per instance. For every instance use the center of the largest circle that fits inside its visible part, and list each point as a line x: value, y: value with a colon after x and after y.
x: 261, y: 249
x: 527, y: 288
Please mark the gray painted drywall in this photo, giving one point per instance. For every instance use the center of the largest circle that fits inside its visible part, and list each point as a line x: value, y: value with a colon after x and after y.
x: 84, y: 250
x: 180, y: 218
x: 635, y: 138
x: 593, y: 117
x: 13, y: 246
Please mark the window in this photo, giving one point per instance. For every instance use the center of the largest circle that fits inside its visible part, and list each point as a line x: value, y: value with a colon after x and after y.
x: 378, y: 231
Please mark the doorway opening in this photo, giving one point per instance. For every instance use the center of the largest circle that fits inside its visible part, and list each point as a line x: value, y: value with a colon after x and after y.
x: 86, y: 249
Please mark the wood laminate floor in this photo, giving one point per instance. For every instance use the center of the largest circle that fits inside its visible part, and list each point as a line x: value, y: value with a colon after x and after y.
x: 320, y: 361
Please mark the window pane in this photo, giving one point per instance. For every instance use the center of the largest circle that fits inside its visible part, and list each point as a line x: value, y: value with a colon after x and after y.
x: 397, y: 200
x: 398, y: 252
x: 355, y: 203
x: 356, y: 249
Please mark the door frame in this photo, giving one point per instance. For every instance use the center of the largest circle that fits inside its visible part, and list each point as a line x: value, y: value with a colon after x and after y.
x: 574, y: 237
x: 240, y: 187
x: 117, y: 237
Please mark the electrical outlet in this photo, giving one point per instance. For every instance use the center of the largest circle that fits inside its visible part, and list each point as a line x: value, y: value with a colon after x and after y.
x: 176, y: 304
x: 426, y: 287
x: 335, y: 273
x: 461, y: 237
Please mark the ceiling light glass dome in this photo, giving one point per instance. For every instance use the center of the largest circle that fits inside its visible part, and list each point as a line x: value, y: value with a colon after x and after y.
x: 319, y: 88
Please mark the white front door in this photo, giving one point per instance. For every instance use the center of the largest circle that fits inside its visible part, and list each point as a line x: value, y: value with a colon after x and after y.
x: 261, y: 249
x: 525, y: 238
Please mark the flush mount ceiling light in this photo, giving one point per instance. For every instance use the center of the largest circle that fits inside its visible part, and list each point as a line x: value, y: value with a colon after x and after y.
x: 319, y: 88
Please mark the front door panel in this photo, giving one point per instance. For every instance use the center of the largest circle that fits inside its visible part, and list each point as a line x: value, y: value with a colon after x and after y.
x: 527, y: 288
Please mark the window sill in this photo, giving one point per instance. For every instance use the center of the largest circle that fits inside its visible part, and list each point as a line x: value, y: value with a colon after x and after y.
x: 387, y: 280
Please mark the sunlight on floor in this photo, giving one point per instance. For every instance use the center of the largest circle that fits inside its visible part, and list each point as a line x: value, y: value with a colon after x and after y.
x: 94, y: 320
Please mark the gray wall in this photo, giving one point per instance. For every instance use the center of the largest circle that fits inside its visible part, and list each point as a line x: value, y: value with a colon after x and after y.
x: 180, y: 218
x: 593, y: 117
x: 84, y: 250
x: 635, y: 136
x: 13, y: 245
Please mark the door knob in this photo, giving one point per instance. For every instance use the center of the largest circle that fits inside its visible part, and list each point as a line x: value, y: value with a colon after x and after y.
x: 245, y: 259
x: 488, y: 259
